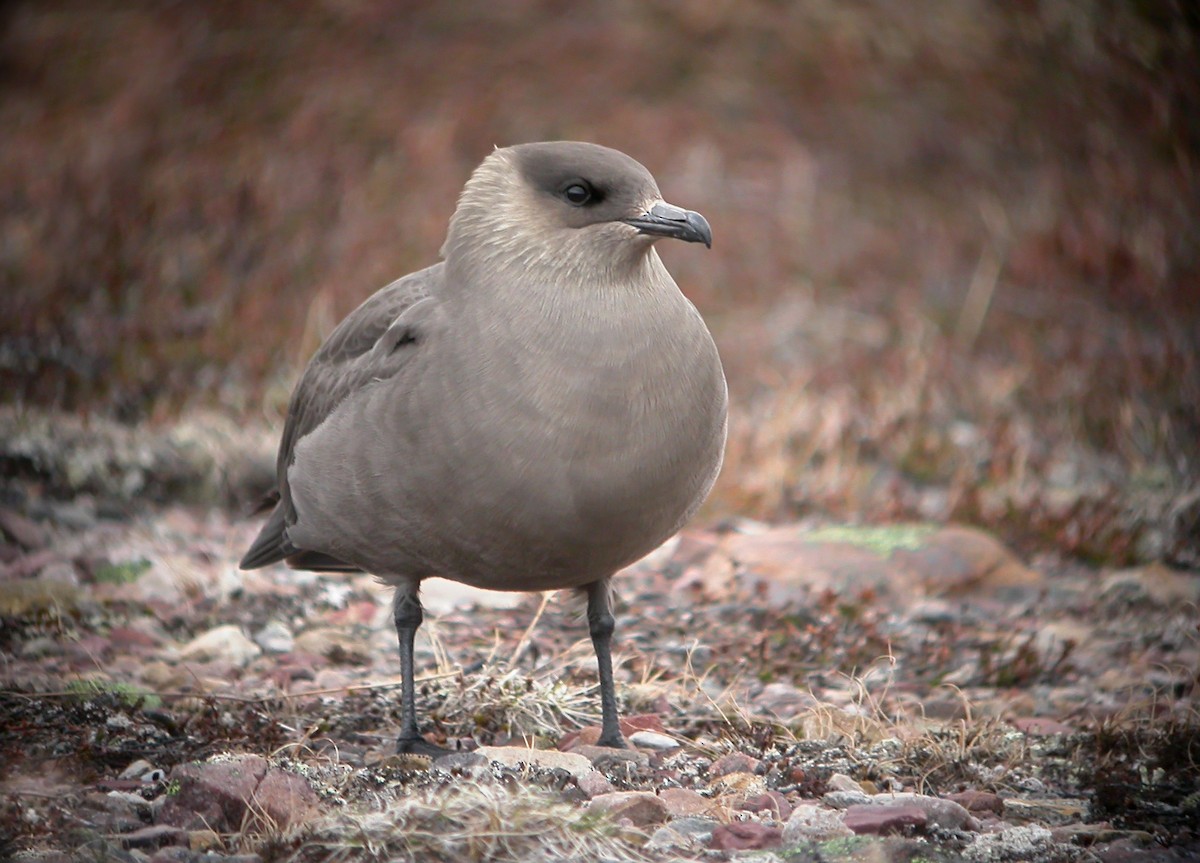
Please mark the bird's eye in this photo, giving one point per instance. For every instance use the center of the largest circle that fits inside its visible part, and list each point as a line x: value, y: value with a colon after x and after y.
x: 577, y: 193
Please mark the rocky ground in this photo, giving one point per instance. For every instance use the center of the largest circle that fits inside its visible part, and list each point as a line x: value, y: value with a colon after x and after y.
x: 795, y: 692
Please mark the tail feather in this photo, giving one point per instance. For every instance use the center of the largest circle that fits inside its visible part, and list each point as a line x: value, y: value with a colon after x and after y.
x: 271, y: 546
x: 319, y: 562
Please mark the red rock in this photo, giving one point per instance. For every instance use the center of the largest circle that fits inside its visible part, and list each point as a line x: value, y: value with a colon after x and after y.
x: 734, y: 762
x: 594, y: 783
x: 875, y: 819
x: 640, y: 808
x: 642, y: 722
x: 979, y: 801
x: 286, y: 798
x: 770, y: 801
x: 683, y: 802
x: 583, y: 737
x: 744, y: 836
x: 24, y: 531
x: 218, y: 794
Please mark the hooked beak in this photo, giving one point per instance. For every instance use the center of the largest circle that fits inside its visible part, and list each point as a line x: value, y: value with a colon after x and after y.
x: 667, y: 220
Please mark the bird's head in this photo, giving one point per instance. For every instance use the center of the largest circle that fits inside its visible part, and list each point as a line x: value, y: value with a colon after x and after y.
x: 579, y: 207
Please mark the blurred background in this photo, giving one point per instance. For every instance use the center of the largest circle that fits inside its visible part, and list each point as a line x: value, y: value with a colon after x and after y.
x: 957, y: 245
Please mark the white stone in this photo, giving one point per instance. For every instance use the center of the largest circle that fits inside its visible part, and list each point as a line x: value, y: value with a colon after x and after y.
x: 813, y: 823
x: 546, y: 759
x: 653, y: 740
x: 275, y: 637
x: 226, y: 643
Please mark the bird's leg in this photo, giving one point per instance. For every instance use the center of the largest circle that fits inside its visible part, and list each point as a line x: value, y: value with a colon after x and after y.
x: 407, y: 613
x: 600, y: 626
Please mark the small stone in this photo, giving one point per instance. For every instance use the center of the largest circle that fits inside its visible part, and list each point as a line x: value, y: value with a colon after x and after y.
x: 945, y: 814
x: 978, y: 801
x: 154, y: 837
x: 137, y: 769
x: 219, y: 793
x: 1048, y: 812
x: 812, y: 823
x: 333, y: 643
x: 25, y: 532
x: 594, y: 783
x: 275, y: 637
x: 604, y: 757
x: 846, y: 799
x: 285, y: 798
x: 203, y: 840
x: 878, y: 820
x: 225, y: 643
x: 668, y: 839
x: 1095, y: 834
x: 631, y: 725
x: 842, y: 782
x: 784, y: 700
x: 1027, y: 842
x: 769, y: 801
x: 640, y: 808
x: 745, y: 784
x: 695, y: 826
x: 653, y: 740
x: 547, y: 759
x: 468, y: 763
x: 734, y: 762
x: 744, y: 836
x: 583, y: 737
x: 683, y: 802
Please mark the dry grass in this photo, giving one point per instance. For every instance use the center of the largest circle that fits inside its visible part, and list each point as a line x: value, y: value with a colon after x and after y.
x: 472, y: 821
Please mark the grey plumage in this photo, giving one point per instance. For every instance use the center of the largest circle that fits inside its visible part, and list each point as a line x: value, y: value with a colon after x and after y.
x: 538, y: 410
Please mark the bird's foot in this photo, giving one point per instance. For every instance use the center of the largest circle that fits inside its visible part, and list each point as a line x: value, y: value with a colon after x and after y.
x: 612, y: 741
x: 418, y: 745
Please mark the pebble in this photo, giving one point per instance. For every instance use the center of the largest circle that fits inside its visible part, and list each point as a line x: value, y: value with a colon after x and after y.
x: 275, y: 637
x: 846, y: 799
x: 734, y: 762
x: 979, y: 801
x: 699, y: 827
x: 594, y: 783
x: 745, y: 836
x: 942, y: 813
x: 224, y: 643
x: 684, y: 802
x: 769, y: 801
x: 640, y: 808
x: 546, y: 759
x: 154, y: 837
x: 219, y: 793
x: 877, y: 819
x: 1050, y: 812
x: 810, y: 822
x: 653, y: 740
x: 1027, y: 842
x: 842, y: 782
x: 605, y: 757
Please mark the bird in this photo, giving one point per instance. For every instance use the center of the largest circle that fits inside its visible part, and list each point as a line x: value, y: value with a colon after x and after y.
x: 536, y: 411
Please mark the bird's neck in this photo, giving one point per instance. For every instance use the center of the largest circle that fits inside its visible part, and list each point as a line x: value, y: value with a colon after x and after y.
x: 530, y: 291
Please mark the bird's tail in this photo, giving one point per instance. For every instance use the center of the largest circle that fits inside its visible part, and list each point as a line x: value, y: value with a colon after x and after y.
x: 271, y: 546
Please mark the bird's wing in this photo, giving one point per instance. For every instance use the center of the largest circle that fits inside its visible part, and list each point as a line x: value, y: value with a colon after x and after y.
x: 368, y: 345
